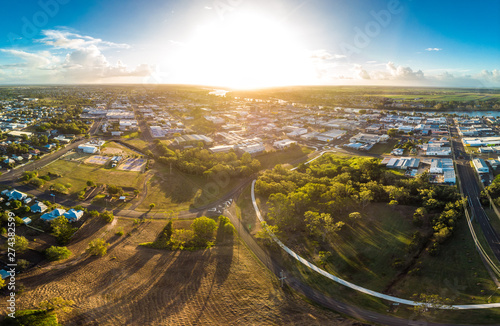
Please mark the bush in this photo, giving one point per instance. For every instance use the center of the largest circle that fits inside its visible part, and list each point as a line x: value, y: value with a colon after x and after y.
x: 107, y: 216
x: 57, y: 253
x: 98, y: 247
x: 60, y: 188
x: 20, y: 244
x: 204, y: 228
x: 37, y: 182
x: 94, y: 213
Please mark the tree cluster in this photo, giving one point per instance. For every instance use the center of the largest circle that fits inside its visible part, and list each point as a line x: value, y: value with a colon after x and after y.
x: 201, y: 161
x: 319, y: 199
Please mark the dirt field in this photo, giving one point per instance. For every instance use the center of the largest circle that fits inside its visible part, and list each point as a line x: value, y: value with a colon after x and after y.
x: 133, y: 285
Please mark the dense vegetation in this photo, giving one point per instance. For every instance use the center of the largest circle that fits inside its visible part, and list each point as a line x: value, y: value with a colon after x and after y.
x: 201, y: 161
x: 200, y: 235
x: 66, y: 123
x: 316, y: 201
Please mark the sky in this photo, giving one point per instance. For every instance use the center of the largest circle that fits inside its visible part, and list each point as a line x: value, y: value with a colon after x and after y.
x: 251, y: 43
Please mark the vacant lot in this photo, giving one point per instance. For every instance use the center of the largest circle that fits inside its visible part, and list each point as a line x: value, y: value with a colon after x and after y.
x: 383, y: 148
x: 112, y: 148
x: 292, y: 155
x: 77, y: 175
x: 133, y: 285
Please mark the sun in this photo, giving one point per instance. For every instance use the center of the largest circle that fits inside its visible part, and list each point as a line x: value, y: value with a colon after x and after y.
x: 245, y: 51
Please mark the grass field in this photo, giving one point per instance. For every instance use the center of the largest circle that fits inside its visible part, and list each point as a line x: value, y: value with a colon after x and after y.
x: 364, y: 256
x: 134, y: 285
x: 383, y: 148
x: 77, y: 175
x: 139, y: 143
x: 269, y: 160
x: 112, y: 148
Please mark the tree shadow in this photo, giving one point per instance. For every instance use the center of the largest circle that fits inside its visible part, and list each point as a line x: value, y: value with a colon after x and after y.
x: 171, y: 283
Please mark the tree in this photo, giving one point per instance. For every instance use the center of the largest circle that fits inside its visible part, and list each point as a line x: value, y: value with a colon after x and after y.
x: 2, y: 282
x: 57, y: 253
x: 151, y: 206
x: 16, y: 204
x: 204, y: 228
x: 321, y: 224
x: 393, y: 203
x: 62, y: 230
x: 90, y: 183
x: 98, y: 247
x: 365, y: 197
x: 20, y: 244
x: 354, y: 216
x: 392, y: 133
x: 94, y: 213
x: 107, y: 216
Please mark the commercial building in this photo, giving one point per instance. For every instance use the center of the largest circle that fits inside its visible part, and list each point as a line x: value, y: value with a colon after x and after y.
x: 282, y: 144
x: 368, y: 138
x: 480, y: 165
x: 192, y: 140
x: 88, y: 149
x: 330, y: 135
x: 481, y: 142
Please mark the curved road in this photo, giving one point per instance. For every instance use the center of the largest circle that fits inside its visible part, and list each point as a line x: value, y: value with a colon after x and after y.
x: 250, y: 242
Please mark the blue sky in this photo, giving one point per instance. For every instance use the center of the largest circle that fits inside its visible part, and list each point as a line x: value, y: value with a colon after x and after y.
x: 243, y: 43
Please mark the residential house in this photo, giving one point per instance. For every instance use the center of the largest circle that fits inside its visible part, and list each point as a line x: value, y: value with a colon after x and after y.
x: 39, y: 207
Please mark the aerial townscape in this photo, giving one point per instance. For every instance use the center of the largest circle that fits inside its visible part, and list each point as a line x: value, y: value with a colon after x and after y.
x: 250, y: 163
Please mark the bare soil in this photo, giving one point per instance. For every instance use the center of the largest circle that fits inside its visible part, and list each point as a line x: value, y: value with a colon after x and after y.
x: 134, y: 285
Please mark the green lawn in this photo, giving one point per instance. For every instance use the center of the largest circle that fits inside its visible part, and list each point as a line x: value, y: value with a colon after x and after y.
x: 139, y: 143
x: 77, y: 175
x: 292, y: 155
x: 364, y: 254
x: 383, y: 148
x: 112, y: 148
x: 457, y: 273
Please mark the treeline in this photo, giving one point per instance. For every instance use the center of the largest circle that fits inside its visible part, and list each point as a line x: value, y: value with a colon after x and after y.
x: 318, y: 199
x: 66, y: 123
x: 493, y: 190
x: 200, y: 161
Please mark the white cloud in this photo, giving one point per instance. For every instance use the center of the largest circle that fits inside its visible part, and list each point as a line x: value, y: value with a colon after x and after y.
x: 433, y: 49
x: 401, y: 72
x: 40, y: 60
x: 360, y: 73
x: 490, y: 76
x: 82, y: 62
x: 69, y: 40
x: 325, y: 55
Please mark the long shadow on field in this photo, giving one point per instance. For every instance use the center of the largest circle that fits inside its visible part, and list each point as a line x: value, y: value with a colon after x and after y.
x: 223, y: 260
x: 143, y: 293
x: 55, y: 274
x: 224, y: 256
x: 88, y: 229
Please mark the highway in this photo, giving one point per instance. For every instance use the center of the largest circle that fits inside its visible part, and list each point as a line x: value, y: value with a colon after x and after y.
x: 472, y: 190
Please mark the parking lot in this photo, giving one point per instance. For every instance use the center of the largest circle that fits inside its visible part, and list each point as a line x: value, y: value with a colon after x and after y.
x: 97, y: 160
x: 132, y: 164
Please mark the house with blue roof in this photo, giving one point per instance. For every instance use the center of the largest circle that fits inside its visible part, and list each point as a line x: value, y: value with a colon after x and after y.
x: 39, y: 207
x: 47, y: 217
x: 16, y: 195
x: 73, y: 215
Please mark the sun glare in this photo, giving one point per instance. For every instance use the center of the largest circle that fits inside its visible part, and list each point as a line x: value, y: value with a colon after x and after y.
x: 246, y: 51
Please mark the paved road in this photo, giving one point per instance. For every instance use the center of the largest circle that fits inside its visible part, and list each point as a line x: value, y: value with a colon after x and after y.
x: 15, y: 174
x: 262, y: 255
x: 314, y: 295
x: 472, y: 190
